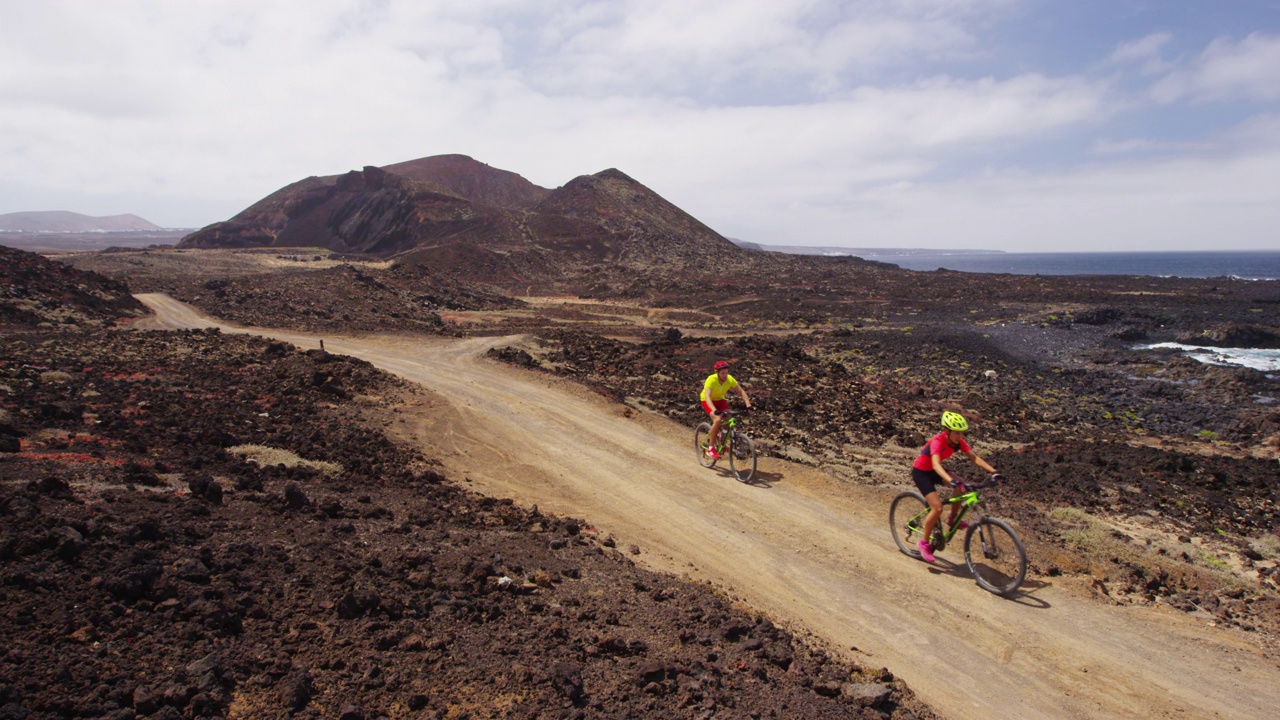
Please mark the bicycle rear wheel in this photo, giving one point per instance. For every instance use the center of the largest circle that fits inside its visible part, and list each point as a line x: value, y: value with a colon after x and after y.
x: 701, y: 437
x: 742, y: 457
x: 906, y: 521
x: 997, y: 559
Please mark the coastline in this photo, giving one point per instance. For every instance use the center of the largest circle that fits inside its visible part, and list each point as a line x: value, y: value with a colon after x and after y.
x: 1249, y: 265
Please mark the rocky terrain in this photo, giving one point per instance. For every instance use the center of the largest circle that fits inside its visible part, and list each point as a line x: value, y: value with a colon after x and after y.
x: 1172, y: 462
x: 40, y: 293
x: 1149, y: 475
x: 200, y: 525
x: 1161, y: 487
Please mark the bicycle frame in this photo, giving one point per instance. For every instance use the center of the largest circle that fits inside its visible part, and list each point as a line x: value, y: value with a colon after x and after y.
x: 726, y: 433
x: 733, y: 444
x: 968, y: 500
x: 992, y: 549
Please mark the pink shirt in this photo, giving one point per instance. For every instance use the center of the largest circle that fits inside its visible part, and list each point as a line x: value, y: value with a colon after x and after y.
x: 938, y: 445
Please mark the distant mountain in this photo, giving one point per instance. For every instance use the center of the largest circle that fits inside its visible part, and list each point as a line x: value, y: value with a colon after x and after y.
x: 58, y: 221
x: 457, y: 214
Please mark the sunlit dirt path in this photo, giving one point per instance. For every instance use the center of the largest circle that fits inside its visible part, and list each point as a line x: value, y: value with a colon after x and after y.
x: 812, y: 553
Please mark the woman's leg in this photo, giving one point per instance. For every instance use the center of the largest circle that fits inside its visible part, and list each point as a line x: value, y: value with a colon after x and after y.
x: 955, y: 510
x: 935, y: 512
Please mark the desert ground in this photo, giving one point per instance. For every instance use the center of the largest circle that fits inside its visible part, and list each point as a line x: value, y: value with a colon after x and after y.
x: 804, y: 550
x: 487, y: 420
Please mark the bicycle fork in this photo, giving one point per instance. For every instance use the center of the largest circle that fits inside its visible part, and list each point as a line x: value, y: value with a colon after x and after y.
x: 987, y: 541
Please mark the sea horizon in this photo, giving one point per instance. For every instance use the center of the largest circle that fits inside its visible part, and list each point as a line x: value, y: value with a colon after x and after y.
x: 1239, y: 264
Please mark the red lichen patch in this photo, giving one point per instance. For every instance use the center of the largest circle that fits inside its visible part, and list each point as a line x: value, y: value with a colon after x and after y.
x: 69, y: 458
x: 130, y: 376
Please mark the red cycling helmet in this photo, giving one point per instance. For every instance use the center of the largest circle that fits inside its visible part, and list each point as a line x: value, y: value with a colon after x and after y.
x: 722, y: 365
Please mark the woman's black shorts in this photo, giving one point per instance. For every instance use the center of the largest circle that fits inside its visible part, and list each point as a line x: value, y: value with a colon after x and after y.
x: 927, y: 481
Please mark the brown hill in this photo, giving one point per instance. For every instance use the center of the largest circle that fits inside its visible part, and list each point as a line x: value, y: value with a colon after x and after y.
x: 478, y: 222
x: 473, y: 180
x: 370, y: 211
x: 640, y: 222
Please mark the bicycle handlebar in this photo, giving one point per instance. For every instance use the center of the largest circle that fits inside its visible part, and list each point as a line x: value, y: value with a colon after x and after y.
x: 995, y: 480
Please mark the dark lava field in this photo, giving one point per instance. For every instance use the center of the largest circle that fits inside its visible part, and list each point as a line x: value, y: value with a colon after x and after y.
x: 163, y: 555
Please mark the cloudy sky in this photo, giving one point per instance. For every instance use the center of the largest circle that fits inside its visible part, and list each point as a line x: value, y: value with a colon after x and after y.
x: 1003, y: 124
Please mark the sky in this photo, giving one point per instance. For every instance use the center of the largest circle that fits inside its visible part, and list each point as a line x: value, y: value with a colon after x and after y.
x: 1017, y: 125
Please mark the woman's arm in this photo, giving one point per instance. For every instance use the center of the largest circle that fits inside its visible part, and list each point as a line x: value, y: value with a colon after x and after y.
x: 937, y: 467
x: 980, y: 462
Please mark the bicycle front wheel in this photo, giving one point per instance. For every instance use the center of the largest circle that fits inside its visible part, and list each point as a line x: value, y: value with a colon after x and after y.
x: 906, y: 521
x: 701, y: 437
x: 742, y: 457
x: 995, y: 556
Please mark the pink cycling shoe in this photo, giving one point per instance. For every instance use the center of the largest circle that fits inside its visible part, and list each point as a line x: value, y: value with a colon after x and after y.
x: 926, y: 552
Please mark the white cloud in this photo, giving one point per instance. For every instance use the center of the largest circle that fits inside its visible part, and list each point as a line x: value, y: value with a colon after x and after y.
x: 1226, y: 199
x: 1145, y: 51
x: 244, y: 93
x: 704, y: 48
x: 767, y: 120
x: 1228, y: 71
x: 1130, y: 146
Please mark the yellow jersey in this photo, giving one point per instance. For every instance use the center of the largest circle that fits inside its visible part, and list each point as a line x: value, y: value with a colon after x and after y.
x: 714, y: 390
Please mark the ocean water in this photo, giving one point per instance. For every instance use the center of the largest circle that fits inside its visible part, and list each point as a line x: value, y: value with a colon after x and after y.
x: 1256, y: 265
x: 1259, y: 359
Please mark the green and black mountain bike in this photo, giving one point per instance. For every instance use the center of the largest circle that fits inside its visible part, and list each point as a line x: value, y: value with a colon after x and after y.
x: 993, y: 551
x: 734, y: 445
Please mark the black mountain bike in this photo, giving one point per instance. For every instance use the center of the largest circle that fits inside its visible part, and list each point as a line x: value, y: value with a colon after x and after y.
x: 734, y: 444
x: 992, y: 550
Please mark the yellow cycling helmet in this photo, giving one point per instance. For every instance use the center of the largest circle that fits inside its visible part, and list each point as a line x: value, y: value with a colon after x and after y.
x: 954, y: 421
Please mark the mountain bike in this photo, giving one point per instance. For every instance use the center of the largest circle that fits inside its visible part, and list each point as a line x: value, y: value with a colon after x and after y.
x: 992, y: 550
x: 734, y: 444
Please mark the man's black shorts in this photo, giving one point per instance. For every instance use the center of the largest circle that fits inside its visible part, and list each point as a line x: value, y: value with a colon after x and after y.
x: 926, y: 480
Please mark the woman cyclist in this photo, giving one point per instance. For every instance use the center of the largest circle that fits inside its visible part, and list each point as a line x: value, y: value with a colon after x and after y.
x: 927, y: 471
x: 714, y: 389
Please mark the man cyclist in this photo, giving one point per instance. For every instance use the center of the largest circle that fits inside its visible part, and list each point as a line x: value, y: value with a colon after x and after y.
x: 717, y: 386
x: 927, y: 472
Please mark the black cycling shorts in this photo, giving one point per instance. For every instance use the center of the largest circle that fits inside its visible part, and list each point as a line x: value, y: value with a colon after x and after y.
x: 927, y: 481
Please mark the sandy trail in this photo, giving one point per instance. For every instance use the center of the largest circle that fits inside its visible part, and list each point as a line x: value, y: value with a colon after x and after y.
x: 809, y: 552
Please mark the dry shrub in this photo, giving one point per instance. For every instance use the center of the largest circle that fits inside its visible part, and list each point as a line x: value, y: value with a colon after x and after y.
x: 1100, y: 545
x: 264, y: 456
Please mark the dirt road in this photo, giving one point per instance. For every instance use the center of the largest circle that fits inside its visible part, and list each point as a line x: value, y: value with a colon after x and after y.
x: 809, y: 552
